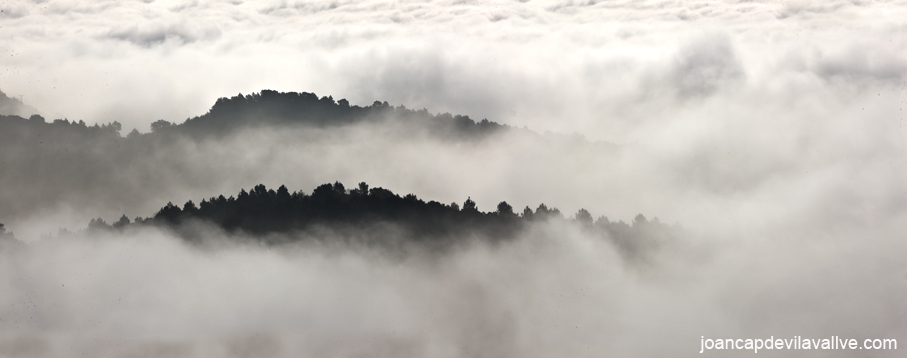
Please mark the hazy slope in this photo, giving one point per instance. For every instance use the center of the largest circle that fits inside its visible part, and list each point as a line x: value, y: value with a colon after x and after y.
x: 68, y: 172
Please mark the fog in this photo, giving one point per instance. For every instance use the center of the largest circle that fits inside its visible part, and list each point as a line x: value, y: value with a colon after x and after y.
x: 729, y: 176
x: 609, y: 69
x: 774, y: 132
x: 552, y: 292
x: 792, y: 233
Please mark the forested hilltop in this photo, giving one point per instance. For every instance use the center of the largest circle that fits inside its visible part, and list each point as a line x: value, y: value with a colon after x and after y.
x: 378, y: 215
x: 68, y: 162
x: 266, y: 108
x: 291, y: 108
x: 63, y: 165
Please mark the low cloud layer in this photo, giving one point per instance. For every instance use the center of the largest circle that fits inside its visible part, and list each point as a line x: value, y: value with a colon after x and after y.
x: 601, y: 68
x: 794, y: 233
x: 774, y: 131
x: 553, y: 292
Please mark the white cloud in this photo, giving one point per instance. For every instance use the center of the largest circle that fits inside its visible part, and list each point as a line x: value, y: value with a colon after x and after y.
x: 779, y: 128
x: 157, y: 34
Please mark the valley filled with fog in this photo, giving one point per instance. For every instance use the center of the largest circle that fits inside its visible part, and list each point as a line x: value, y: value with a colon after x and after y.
x: 671, y: 172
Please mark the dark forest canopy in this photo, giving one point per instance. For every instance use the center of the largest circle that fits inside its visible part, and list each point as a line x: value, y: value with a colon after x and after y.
x: 14, y: 127
x: 69, y: 162
x: 264, y: 214
x: 270, y: 107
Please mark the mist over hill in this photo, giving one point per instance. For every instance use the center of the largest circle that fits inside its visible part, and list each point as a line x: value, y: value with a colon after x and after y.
x: 59, y: 165
x: 775, y: 132
x: 409, y: 255
x: 10, y: 106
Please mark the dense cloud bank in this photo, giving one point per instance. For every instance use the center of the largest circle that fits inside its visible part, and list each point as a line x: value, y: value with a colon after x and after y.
x: 554, y: 291
x: 610, y: 69
x: 775, y: 131
x: 167, y: 299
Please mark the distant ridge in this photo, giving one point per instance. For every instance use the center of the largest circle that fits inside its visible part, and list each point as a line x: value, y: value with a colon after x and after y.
x: 270, y: 107
x: 70, y: 161
x: 14, y: 107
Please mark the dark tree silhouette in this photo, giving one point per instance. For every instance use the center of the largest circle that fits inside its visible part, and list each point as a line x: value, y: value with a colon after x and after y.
x: 98, y: 224
x: 122, y: 222
x: 505, y: 209
x: 584, y: 217
x: 470, y: 205
x: 291, y: 108
x: 63, y: 161
x: 527, y: 213
x: 159, y: 125
x: 385, y: 217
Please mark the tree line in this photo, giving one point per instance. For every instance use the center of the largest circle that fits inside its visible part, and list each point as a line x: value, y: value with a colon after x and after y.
x: 270, y: 107
x: 261, y: 213
x: 62, y: 160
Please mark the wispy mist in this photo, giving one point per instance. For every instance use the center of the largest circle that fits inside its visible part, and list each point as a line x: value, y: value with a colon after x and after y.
x: 553, y: 292
x: 774, y: 131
